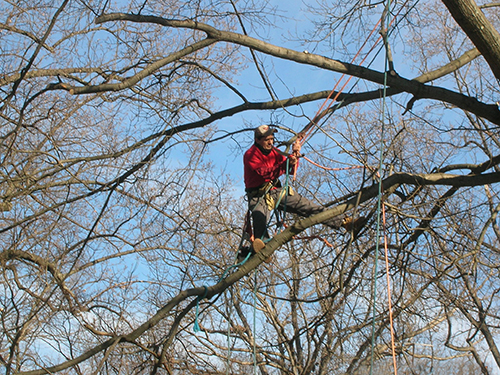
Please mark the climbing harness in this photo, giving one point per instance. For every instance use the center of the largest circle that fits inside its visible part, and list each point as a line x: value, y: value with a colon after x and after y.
x: 272, y: 204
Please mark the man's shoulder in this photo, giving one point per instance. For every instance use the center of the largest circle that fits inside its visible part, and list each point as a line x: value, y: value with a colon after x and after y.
x: 252, y: 150
x: 252, y: 147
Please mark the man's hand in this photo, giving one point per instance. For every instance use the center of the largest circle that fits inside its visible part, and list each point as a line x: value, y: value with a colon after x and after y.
x: 296, y: 147
x: 294, y: 156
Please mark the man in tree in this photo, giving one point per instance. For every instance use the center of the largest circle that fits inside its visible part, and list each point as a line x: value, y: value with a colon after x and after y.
x: 263, y: 165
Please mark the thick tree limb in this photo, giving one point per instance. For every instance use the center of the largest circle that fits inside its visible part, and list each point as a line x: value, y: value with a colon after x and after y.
x: 479, y: 30
x: 276, y: 242
x: 487, y: 111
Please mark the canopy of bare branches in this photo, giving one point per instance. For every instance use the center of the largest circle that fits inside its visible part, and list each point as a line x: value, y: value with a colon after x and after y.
x: 123, y: 126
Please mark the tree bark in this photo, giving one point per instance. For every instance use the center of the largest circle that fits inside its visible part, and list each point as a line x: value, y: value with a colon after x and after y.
x: 479, y: 30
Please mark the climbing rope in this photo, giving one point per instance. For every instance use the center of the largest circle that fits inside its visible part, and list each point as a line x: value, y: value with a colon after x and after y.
x: 324, y: 108
x: 332, y: 169
x: 255, y: 323
x: 381, y: 209
x: 308, y: 130
x: 306, y: 133
x: 196, y: 326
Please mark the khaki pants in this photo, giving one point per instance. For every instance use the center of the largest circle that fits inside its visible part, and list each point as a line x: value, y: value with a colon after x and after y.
x: 295, y: 204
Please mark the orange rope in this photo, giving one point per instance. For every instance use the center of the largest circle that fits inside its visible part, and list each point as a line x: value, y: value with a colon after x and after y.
x: 314, y: 238
x: 338, y: 82
x: 393, y: 345
x: 315, y: 118
x: 331, y: 169
x: 310, y: 237
x: 308, y: 133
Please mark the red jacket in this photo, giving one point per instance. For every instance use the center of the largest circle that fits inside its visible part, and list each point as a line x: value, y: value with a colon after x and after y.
x: 260, y: 168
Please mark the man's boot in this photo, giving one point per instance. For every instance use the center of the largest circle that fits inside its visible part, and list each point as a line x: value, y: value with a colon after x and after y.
x: 258, y: 245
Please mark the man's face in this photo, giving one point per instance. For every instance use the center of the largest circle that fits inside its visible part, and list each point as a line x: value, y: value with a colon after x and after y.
x: 266, y: 143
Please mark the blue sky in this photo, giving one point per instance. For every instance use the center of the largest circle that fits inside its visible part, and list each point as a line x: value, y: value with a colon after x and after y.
x: 287, y: 79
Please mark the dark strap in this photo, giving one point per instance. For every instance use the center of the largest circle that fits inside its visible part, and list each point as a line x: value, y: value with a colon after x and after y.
x: 262, y: 188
